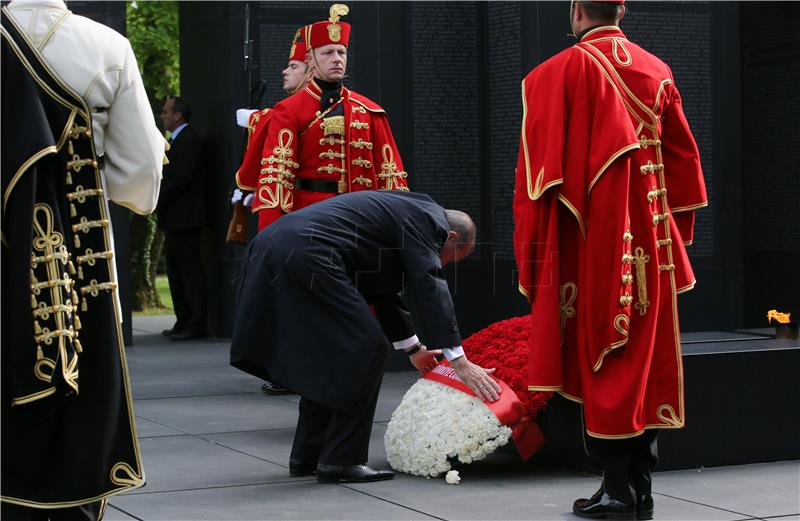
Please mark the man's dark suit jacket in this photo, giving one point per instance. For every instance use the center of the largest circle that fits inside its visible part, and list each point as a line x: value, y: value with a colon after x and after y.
x: 303, y: 315
x: 181, y: 201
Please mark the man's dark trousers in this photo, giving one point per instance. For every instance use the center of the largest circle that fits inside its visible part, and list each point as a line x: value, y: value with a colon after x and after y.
x: 186, y: 279
x: 340, y: 438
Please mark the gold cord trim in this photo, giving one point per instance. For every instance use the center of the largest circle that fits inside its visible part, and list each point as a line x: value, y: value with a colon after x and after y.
x: 123, y: 474
x: 359, y: 143
x: 640, y: 260
x: 363, y: 163
x: 568, y: 294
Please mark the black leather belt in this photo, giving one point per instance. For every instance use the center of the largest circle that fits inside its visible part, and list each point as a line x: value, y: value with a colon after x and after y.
x: 316, y: 185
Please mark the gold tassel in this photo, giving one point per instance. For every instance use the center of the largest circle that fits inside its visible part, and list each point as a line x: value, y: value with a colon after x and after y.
x: 72, y: 211
x: 33, y: 302
x: 71, y: 268
x: 78, y: 346
x: 69, y: 177
x: 75, y: 298
x: 37, y: 329
x: 80, y: 272
x: 39, y: 354
x: 84, y: 305
x: 77, y: 241
x: 77, y: 323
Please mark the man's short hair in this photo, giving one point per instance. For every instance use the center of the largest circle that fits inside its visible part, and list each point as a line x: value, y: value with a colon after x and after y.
x: 604, y: 13
x: 181, y: 105
x: 462, y: 224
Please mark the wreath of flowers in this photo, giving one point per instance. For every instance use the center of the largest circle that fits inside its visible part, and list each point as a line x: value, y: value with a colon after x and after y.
x: 436, y: 426
x: 504, y: 346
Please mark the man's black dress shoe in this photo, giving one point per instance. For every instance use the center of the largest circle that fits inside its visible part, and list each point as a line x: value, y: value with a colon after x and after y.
x: 186, y: 335
x: 171, y: 331
x: 644, y: 507
x: 275, y: 389
x: 350, y: 474
x: 299, y: 468
x: 603, y: 506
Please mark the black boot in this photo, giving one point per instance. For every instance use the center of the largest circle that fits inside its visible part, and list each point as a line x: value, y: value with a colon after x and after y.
x: 603, y: 506
x: 644, y: 507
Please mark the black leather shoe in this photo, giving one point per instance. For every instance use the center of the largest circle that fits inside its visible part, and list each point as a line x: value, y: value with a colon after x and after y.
x: 350, y: 474
x: 299, y: 468
x: 603, y: 506
x: 171, y: 331
x: 644, y: 507
x: 186, y: 335
x: 275, y: 389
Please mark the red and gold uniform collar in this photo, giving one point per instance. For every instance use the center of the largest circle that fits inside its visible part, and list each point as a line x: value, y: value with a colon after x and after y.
x: 604, y: 31
x: 313, y: 89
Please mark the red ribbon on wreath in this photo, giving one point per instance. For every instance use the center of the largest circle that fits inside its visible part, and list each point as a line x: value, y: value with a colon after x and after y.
x: 509, y: 410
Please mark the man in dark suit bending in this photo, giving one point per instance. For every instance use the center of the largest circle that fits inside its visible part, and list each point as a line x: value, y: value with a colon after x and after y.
x: 304, y: 321
x: 180, y: 215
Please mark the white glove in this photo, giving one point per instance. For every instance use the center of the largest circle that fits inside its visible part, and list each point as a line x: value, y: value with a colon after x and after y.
x: 248, y: 199
x: 237, y: 196
x: 243, y: 117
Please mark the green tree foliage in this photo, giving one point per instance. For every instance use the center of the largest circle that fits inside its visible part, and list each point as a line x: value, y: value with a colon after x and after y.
x: 154, y: 35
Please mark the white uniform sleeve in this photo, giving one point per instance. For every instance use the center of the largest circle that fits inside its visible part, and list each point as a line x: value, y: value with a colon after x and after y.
x: 134, y: 148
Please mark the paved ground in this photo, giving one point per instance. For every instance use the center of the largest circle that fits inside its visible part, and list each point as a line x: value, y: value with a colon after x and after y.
x: 216, y: 448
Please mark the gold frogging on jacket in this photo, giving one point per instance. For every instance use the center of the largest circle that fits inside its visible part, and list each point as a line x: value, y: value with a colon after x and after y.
x: 282, y: 156
x: 389, y: 171
x: 568, y: 294
x: 59, y: 303
x: 640, y: 260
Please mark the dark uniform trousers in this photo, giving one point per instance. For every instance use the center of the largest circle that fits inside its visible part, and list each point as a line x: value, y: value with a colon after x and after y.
x: 627, y: 463
x: 340, y: 438
x: 89, y: 512
x: 186, y: 279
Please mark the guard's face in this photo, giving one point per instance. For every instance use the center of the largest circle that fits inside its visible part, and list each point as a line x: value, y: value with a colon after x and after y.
x: 293, y: 75
x: 331, y: 61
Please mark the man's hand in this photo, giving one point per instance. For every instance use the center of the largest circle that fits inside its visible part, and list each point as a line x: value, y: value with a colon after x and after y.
x: 477, y: 378
x: 424, y: 360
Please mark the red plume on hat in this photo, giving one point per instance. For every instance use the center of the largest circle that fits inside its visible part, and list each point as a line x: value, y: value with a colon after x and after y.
x: 329, y: 31
x: 298, y: 50
x: 617, y: 2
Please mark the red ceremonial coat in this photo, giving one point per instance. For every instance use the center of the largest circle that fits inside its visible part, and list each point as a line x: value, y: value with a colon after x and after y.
x: 607, y: 182
x: 355, y: 151
x: 249, y: 173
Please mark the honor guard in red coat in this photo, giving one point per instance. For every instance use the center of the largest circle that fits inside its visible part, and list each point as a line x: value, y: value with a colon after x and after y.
x: 607, y: 183
x: 295, y: 77
x: 326, y: 139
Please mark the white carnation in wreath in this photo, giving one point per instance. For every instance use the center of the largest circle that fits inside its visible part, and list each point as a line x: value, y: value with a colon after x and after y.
x: 435, y: 424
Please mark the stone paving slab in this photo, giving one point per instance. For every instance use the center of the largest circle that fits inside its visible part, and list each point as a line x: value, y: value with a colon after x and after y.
x: 219, y: 413
x: 303, y: 500
x: 178, y: 463
x: 758, y: 490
